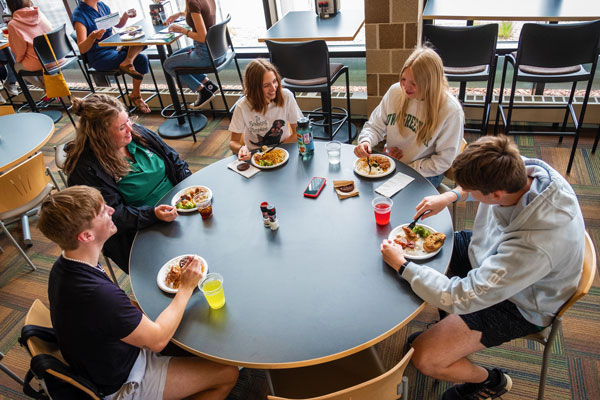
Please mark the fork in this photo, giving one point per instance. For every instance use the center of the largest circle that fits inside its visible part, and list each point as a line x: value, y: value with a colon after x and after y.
x: 414, y: 223
x: 369, y: 164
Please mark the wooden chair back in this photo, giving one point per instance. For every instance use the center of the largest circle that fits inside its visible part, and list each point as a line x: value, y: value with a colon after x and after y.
x: 23, y: 183
x: 450, y: 173
x: 588, y: 274
x: 6, y: 110
x: 382, y: 387
x: 39, y: 315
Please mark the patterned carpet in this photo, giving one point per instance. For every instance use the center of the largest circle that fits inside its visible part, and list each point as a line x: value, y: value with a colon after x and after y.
x: 576, y: 356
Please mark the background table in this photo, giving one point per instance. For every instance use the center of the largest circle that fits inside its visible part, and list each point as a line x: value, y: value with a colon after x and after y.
x: 21, y: 135
x: 297, y: 26
x: 315, y: 290
x: 513, y: 10
x: 171, y: 128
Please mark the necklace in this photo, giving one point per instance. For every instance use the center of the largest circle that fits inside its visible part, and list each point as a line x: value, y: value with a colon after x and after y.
x: 97, y: 266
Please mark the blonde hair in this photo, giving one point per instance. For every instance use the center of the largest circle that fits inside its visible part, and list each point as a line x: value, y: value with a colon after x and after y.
x: 96, y: 115
x: 65, y: 214
x: 432, y: 85
x: 253, y: 85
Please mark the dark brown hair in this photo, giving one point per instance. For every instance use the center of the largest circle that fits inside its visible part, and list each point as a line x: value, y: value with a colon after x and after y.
x: 253, y: 85
x: 65, y: 214
x: 14, y: 5
x: 489, y: 164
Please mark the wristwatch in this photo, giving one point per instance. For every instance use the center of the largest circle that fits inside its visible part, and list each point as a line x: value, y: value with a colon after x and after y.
x: 402, y: 268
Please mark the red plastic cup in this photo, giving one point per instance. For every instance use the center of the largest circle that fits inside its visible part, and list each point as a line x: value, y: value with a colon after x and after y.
x: 382, y: 207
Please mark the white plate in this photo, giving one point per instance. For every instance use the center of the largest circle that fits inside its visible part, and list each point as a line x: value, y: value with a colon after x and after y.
x: 182, y: 192
x: 134, y: 36
x: 398, y: 231
x: 285, y: 158
x: 132, y: 28
x: 162, y: 273
x: 390, y: 170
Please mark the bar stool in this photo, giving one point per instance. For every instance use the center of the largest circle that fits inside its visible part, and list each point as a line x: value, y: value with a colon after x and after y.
x: 221, y: 52
x: 305, y: 67
x: 469, y: 55
x: 552, y: 53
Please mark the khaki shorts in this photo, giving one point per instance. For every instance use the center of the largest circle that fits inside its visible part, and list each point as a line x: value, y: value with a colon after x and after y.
x: 146, y: 380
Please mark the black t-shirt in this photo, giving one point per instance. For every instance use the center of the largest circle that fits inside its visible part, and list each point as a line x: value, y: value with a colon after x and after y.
x: 90, y: 315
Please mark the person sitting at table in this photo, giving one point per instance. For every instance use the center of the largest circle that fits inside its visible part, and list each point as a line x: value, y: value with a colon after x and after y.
x: 129, y: 164
x: 508, y: 277
x: 27, y: 23
x: 422, y: 122
x: 267, y: 114
x: 101, y: 334
x: 199, y: 16
x: 129, y: 59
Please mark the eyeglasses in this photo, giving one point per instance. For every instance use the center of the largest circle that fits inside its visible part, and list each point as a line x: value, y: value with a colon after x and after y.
x: 132, y: 119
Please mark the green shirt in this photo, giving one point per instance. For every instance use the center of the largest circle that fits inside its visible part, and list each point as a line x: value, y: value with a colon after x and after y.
x: 147, y: 181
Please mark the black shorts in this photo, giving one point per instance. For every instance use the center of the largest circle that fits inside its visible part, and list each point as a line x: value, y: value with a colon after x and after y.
x: 499, y: 323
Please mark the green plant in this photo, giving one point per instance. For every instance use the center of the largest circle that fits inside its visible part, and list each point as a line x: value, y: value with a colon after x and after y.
x: 505, y: 29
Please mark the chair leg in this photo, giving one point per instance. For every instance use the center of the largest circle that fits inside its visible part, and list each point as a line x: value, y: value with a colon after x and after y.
x: 567, y: 110
x: 350, y: 138
x: 185, y: 106
x: 579, y: 123
x: 9, y: 372
x: 156, y: 86
x: 500, y: 97
x: 17, y: 246
x: 63, y: 177
x: 511, y: 102
x: 596, y: 140
x: 110, y: 269
x: 49, y: 173
x: 556, y: 324
x: 67, y: 111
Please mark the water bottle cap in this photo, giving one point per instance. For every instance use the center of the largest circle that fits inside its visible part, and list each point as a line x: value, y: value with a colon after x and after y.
x: 303, y: 122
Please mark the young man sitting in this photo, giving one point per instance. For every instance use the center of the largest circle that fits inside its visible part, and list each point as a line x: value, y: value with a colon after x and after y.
x: 101, y: 334
x: 507, y: 278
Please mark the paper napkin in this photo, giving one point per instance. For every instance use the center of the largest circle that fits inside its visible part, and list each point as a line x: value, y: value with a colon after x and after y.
x: 344, y: 195
x: 249, y: 173
x: 394, y: 184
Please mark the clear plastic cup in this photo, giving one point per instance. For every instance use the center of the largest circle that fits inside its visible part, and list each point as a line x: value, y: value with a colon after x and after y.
x: 212, y: 288
x: 382, y: 207
x: 205, y: 208
x: 334, y: 150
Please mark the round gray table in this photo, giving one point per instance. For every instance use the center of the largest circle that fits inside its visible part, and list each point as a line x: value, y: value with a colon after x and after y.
x: 313, y: 291
x: 21, y: 135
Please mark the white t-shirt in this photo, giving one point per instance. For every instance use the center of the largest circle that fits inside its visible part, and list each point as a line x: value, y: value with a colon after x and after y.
x: 265, y: 129
x: 429, y: 159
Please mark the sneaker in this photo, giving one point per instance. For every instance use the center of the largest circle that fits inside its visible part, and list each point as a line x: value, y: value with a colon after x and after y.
x: 12, y: 88
x: 211, y: 86
x: 2, y: 99
x: 480, y: 391
x: 204, y: 96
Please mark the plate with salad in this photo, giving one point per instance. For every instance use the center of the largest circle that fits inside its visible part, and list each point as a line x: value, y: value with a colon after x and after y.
x: 187, y: 200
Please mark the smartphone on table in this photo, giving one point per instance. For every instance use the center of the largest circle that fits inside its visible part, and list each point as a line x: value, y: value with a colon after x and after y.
x: 314, y: 187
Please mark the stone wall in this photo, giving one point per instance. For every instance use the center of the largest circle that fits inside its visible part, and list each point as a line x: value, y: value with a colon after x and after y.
x: 392, y: 31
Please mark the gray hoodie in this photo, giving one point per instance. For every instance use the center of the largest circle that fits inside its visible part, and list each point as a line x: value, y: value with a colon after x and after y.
x: 530, y: 253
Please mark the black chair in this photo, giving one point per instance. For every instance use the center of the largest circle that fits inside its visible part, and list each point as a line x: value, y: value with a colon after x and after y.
x: 221, y: 52
x: 305, y: 67
x: 553, y: 53
x: 62, y: 49
x: 469, y: 55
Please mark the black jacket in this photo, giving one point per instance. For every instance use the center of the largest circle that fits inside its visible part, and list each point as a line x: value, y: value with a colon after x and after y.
x: 128, y: 219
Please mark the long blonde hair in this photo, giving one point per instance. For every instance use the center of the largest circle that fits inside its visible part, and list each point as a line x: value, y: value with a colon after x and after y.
x: 253, y: 85
x: 96, y: 114
x: 428, y: 71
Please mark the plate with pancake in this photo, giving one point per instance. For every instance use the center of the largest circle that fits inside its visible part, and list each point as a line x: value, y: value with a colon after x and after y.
x: 381, y: 165
x: 169, y: 275
x: 423, y: 241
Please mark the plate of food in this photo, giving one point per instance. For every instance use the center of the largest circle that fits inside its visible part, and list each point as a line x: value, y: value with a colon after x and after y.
x: 169, y: 275
x: 381, y: 165
x: 132, y: 35
x: 420, y: 243
x: 271, y: 159
x: 132, y: 28
x: 187, y: 200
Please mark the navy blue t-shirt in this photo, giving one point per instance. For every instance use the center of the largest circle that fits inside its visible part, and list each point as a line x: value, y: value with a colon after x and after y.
x: 87, y: 16
x: 90, y: 315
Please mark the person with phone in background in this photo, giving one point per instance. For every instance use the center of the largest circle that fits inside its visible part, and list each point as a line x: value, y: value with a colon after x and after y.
x: 199, y: 16
x: 27, y: 22
x: 422, y: 122
x: 266, y: 115
x: 128, y: 59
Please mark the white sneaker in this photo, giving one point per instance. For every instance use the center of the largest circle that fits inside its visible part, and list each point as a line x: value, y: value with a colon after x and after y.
x: 12, y: 88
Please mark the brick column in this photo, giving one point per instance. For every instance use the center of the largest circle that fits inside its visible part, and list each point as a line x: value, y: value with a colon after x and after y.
x: 391, y: 30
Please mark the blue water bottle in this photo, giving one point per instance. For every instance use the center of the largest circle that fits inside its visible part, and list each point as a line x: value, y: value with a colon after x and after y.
x: 306, y: 147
